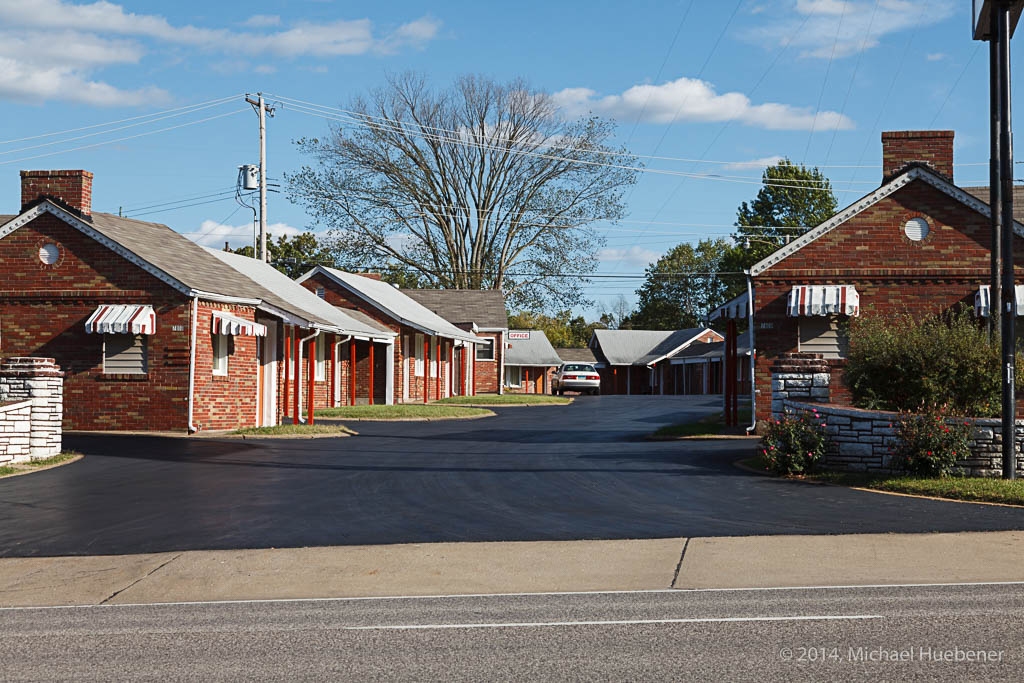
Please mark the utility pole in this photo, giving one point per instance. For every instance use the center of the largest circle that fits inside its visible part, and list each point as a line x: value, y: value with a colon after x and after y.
x: 995, y: 21
x: 262, y: 110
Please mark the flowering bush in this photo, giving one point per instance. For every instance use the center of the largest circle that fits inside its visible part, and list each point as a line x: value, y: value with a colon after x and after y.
x: 930, y: 444
x: 795, y: 444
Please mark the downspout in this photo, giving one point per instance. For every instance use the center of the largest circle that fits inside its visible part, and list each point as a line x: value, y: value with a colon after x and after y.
x: 192, y: 366
x: 298, y: 372
x: 753, y: 355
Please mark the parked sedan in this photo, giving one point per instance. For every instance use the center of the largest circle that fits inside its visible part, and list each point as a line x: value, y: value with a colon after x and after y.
x: 579, y: 377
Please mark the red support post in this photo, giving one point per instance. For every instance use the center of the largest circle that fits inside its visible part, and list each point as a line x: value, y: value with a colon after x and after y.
x: 333, y: 366
x: 296, y: 407
x: 287, y: 368
x: 451, y: 367
x: 352, y: 372
x: 474, y: 374
x: 426, y: 369
x: 370, y: 402
x: 311, y: 384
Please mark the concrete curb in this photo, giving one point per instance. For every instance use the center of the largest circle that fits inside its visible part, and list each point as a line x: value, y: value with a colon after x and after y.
x: 332, y: 420
x: 42, y: 468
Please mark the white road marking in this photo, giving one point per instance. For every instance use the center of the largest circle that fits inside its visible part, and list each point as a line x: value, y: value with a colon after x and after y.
x: 615, y: 622
x: 451, y: 596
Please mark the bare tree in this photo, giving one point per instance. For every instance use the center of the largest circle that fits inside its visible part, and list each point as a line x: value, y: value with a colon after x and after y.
x: 483, y: 185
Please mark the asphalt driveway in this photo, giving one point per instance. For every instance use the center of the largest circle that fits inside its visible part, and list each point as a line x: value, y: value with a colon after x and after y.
x: 545, y: 473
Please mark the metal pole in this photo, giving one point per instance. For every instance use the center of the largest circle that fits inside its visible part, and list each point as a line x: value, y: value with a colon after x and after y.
x: 263, y: 178
x: 995, y: 196
x: 1008, y: 307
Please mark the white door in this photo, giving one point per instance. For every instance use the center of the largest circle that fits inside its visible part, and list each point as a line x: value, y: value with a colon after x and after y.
x: 268, y: 366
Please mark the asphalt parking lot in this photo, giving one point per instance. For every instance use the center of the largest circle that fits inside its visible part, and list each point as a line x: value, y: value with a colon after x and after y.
x: 538, y: 473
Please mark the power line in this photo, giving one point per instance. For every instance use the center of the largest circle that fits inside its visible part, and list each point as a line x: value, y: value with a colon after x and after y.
x: 849, y: 88
x: 184, y: 206
x: 180, y: 199
x: 974, y: 54
x: 824, y: 82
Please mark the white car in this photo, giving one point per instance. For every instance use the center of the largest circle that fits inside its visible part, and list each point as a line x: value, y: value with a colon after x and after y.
x: 581, y: 377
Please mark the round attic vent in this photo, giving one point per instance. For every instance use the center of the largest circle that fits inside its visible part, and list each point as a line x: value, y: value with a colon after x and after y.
x: 916, y: 229
x: 49, y: 253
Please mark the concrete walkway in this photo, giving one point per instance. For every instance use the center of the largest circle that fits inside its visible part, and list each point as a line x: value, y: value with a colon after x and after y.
x: 521, y: 567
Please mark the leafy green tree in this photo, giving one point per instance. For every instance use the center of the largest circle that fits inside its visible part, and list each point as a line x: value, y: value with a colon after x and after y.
x: 681, y: 288
x: 792, y: 196
x: 563, y: 329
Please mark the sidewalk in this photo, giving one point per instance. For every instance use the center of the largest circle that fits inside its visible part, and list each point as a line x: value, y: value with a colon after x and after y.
x: 461, y: 568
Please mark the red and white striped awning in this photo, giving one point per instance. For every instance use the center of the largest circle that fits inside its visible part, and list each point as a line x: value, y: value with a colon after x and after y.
x: 225, y: 323
x: 823, y: 300
x: 122, y: 319
x: 983, y: 300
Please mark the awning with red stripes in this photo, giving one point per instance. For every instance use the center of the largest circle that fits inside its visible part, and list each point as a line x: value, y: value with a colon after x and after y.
x: 122, y: 319
x: 225, y: 323
x: 823, y: 300
x: 983, y: 300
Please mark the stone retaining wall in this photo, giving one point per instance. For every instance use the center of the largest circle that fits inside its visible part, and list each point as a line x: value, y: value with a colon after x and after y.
x: 15, y: 431
x: 864, y: 440
x: 39, y: 384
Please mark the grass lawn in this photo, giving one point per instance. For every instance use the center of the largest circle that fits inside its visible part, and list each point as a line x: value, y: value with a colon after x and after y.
x: 430, y: 411
x: 507, y: 400
x: 64, y: 456
x: 977, y: 489
x: 712, y: 425
x: 294, y: 430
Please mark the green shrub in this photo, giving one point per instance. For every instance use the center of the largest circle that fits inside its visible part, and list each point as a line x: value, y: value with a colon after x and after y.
x: 930, y: 444
x: 901, y: 363
x: 795, y: 444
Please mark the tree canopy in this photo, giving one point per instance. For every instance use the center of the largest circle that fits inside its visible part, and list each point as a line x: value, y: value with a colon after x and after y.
x: 294, y: 255
x: 563, y: 329
x: 681, y: 288
x: 481, y: 185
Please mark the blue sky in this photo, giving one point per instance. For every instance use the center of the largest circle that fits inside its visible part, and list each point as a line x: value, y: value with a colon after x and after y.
x: 734, y: 82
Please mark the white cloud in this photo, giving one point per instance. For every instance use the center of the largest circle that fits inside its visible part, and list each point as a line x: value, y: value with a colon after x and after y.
x: 214, y: 234
x: 690, y: 99
x: 935, y: 56
x: 633, y: 257
x: 763, y: 162
x: 262, y: 21
x: 847, y: 19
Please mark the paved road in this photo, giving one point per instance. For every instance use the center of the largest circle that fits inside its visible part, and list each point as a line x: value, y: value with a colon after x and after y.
x: 892, y: 633
x: 542, y: 473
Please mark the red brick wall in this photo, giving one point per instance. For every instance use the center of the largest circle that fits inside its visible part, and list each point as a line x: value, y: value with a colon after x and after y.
x: 43, y: 310
x: 488, y: 372
x: 229, y: 401
x: 934, y: 147
x: 891, y: 272
x: 73, y: 188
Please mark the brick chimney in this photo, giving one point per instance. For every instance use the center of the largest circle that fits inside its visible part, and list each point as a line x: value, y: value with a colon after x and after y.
x: 932, y: 147
x: 73, y: 188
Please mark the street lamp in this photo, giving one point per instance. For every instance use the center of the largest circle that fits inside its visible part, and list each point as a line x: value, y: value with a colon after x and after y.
x: 995, y: 21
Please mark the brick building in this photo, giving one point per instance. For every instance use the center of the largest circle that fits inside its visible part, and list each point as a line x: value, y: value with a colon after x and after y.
x: 152, y: 331
x: 917, y: 244
x: 483, y: 312
x: 638, y: 361
x: 530, y: 362
x: 430, y: 359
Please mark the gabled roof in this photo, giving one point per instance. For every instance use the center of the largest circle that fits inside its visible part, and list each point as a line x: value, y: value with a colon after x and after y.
x: 393, y: 302
x: 576, y: 355
x: 707, y: 351
x: 536, y: 350
x: 485, y: 307
x: 913, y: 172
x: 279, y: 290
x: 642, y: 347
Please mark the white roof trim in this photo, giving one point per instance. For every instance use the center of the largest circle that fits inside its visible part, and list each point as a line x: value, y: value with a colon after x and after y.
x: 82, y: 226
x: 681, y: 347
x: 867, y: 201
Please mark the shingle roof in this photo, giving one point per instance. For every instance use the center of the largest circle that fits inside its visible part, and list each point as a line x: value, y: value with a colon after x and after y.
x: 710, y: 350
x: 283, y: 292
x: 536, y: 350
x: 982, y: 193
x: 485, y: 307
x: 394, y: 302
x: 640, y: 347
x: 576, y: 355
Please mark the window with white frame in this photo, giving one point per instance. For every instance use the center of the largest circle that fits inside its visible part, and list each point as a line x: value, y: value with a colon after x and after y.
x: 513, y: 375
x: 321, y: 293
x: 825, y: 335
x: 124, y: 354
x: 419, y: 355
x: 221, y: 351
x: 485, y: 350
x: 321, y: 359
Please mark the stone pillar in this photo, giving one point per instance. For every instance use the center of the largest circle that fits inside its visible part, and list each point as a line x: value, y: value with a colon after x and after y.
x: 41, y: 381
x: 799, y: 376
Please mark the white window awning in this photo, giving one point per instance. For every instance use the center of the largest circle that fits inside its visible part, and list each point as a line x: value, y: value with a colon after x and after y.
x: 122, y: 319
x: 734, y: 308
x: 983, y: 300
x: 823, y: 300
x: 225, y: 323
